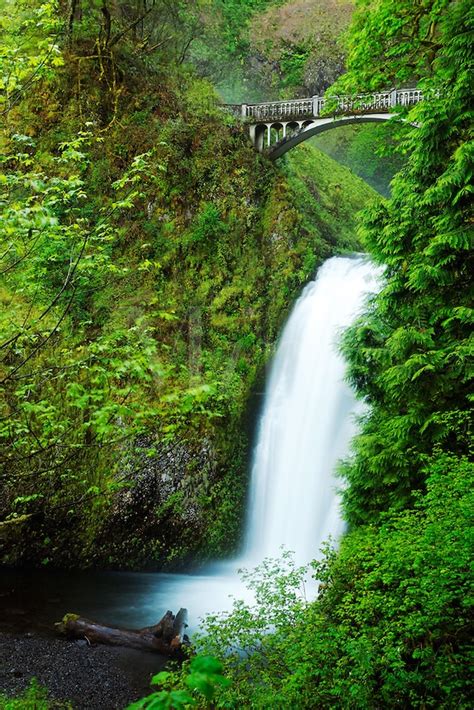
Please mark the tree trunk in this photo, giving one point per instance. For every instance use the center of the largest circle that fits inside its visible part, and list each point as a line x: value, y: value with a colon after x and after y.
x: 166, y: 637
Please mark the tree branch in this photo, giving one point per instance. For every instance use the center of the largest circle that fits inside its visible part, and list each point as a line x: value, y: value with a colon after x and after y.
x: 130, y: 27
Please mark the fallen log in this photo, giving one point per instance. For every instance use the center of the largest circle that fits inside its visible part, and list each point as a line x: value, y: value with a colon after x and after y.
x: 166, y: 637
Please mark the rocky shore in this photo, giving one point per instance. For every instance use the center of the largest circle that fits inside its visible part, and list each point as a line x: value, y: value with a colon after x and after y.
x: 89, y: 677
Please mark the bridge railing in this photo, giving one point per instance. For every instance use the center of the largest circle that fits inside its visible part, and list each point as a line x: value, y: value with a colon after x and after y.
x: 382, y: 101
x: 316, y: 105
x: 408, y: 97
x: 280, y: 109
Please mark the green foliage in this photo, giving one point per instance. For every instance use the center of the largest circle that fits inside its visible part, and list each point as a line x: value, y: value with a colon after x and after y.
x: 293, y: 62
x: 409, y: 355
x: 391, y: 625
x: 204, y: 678
x: 392, y: 42
x: 65, y: 387
x: 34, y: 698
x: 277, y: 588
x: 31, y: 32
x: 209, y: 226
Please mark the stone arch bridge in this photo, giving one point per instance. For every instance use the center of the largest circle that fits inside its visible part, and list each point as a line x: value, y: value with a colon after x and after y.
x: 278, y: 126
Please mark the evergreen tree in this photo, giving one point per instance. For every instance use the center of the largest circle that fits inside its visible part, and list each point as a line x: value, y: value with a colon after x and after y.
x: 410, y: 355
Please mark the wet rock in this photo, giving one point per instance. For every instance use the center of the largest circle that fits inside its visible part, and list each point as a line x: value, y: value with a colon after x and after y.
x: 159, y: 515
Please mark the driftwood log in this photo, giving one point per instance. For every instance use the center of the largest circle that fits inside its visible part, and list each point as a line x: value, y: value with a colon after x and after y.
x: 166, y: 637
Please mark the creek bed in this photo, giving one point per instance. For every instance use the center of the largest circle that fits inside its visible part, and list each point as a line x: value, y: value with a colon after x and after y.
x: 92, y: 678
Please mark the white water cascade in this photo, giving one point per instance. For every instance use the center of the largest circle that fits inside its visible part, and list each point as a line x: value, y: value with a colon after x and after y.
x: 306, y: 425
x: 308, y: 418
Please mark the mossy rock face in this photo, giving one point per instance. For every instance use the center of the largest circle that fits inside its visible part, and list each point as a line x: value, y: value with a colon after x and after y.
x: 263, y: 50
x: 157, y: 520
x: 11, y: 529
x: 300, y: 41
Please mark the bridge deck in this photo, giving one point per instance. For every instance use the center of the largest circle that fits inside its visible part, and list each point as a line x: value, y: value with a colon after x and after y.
x: 303, y: 109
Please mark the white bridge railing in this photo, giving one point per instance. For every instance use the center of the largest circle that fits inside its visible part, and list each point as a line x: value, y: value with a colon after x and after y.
x: 315, y: 106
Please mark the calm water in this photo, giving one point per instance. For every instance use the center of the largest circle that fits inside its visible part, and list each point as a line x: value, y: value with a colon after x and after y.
x: 37, y: 599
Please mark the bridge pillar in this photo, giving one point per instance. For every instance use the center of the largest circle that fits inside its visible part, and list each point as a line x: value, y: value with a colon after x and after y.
x: 393, y: 97
x: 244, y: 110
x: 257, y: 134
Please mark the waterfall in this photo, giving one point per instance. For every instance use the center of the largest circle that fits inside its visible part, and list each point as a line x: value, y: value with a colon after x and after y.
x: 308, y: 418
x: 305, y: 427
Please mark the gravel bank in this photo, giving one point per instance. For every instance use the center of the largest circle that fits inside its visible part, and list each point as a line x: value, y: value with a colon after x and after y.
x: 92, y: 678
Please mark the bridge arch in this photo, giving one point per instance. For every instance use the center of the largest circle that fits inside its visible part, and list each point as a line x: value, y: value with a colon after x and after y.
x: 276, y: 132
x: 313, y: 128
x: 293, y: 128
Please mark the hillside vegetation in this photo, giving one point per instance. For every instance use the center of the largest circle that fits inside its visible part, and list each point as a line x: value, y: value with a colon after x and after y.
x: 298, y: 46
x: 262, y: 50
x: 150, y: 257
